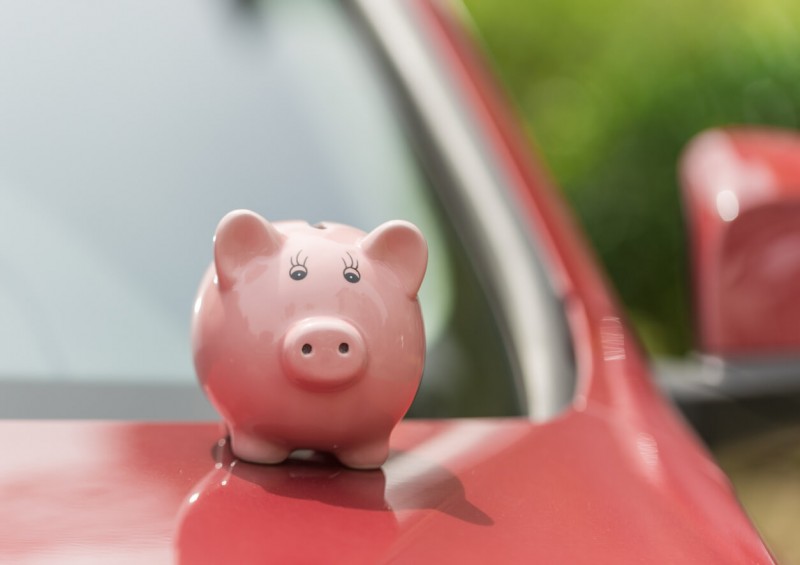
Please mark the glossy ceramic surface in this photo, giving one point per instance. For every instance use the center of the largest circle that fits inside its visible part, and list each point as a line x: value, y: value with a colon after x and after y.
x: 742, y: 192
x: 311, y: 337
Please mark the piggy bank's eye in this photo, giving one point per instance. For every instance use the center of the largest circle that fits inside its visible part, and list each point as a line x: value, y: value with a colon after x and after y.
x: 298, y: 272
x: 350, y: 272
x: 351, y: 275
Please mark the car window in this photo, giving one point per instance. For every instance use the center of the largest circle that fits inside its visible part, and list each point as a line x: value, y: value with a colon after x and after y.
x: 129, y: 129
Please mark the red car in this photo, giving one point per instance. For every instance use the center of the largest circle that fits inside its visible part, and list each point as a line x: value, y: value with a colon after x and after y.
x: 128, y: 130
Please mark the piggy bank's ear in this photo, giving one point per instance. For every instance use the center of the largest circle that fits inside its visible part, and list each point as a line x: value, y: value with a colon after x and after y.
x: 401, y: 245
x: 241, y: 236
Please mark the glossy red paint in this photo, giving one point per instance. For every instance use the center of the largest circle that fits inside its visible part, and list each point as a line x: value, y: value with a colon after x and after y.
x: 612, y: 370
x: 590, y: 487
x: 742, y: 194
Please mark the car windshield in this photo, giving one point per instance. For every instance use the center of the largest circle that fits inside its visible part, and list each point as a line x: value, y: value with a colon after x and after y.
x: 129, y: 129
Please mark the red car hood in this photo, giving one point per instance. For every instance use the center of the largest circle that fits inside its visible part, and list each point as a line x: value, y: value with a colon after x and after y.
x: 582, y: 489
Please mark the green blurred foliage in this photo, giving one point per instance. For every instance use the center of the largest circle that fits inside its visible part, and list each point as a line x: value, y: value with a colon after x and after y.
x: 612, y: 90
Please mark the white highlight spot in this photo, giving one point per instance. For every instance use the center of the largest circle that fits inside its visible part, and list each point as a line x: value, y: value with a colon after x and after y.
x: 612, y: 339
x: 727, y: 205
x: 648, y: 450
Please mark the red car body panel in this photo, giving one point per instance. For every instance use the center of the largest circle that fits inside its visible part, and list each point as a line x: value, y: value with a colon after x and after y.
x: 742, y: 193
x: 616, y: 478
x: 586, y: 488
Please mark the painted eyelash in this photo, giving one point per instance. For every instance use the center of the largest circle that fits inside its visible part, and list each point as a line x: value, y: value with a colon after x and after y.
x: 353, y: 262
x: 295, y: 261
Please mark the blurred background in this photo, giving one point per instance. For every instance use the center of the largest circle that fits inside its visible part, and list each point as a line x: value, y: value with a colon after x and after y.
x: 610, y: 92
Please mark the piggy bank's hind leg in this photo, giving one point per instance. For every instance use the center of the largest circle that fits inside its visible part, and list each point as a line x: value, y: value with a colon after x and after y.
x: 257, y: 450
x: 365, y: 456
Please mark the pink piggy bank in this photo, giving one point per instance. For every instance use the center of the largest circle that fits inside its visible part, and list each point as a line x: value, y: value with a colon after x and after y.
x: 311, y: 337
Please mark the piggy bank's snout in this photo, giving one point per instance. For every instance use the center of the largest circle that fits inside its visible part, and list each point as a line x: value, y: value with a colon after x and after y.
x: 324, y: 353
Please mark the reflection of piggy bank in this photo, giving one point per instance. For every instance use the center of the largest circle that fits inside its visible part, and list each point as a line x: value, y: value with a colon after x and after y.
x: 311, y: 337
x: 223, y: 519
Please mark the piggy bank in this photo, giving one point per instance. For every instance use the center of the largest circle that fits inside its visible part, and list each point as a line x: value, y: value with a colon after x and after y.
x: 311, y: 337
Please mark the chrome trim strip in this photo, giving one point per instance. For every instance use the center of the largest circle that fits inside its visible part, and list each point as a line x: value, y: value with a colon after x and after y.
x: 523, y: 291
x: 705, y: 378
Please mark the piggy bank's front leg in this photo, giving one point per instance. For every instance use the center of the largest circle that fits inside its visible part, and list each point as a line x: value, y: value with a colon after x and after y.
x: 254, y: 449
x: 366, y: 455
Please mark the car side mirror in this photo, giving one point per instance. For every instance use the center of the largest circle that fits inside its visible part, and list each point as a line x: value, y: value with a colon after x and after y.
x: 741, y: 191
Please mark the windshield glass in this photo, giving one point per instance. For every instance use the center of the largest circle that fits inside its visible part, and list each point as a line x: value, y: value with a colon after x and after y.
x: 130, y: 129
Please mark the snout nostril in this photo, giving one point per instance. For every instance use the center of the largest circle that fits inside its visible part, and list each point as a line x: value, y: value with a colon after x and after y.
x: 343, y: 348
x: 306, y: 349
